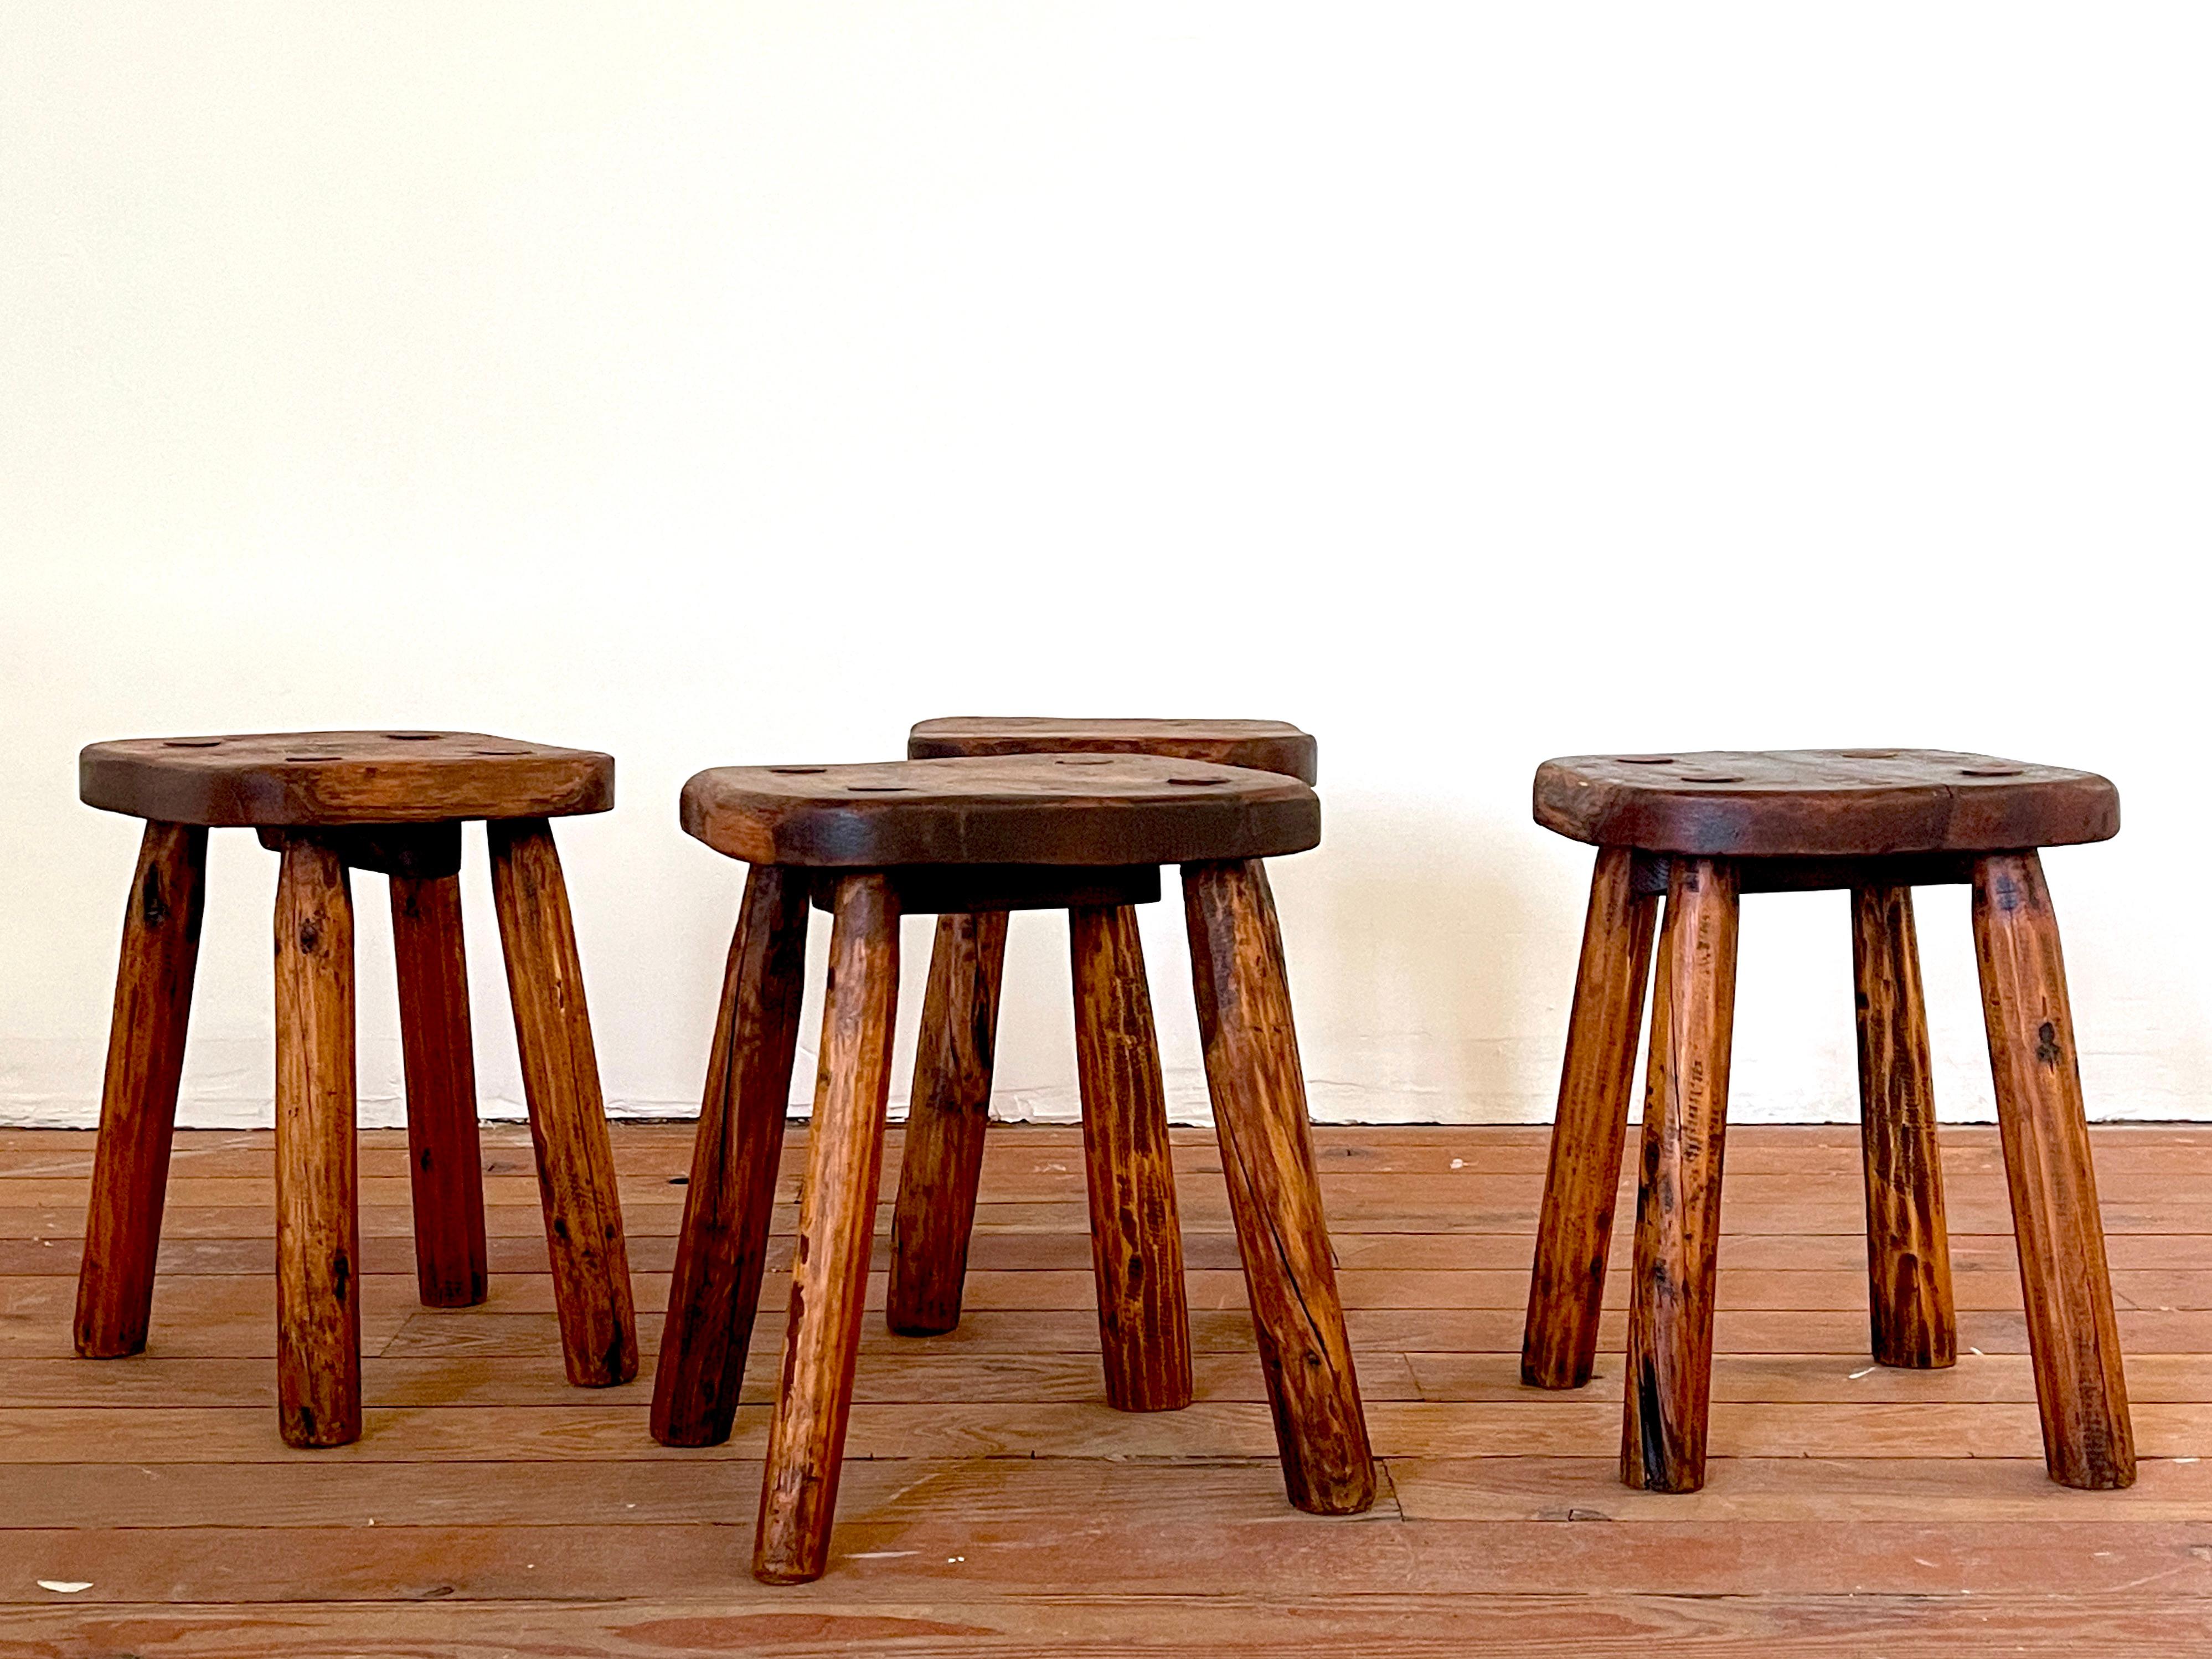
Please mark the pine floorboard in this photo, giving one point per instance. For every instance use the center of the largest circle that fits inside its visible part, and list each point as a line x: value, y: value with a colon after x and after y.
x: 993, y: 1506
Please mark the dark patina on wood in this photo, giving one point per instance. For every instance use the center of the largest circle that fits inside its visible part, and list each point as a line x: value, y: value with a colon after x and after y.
x: 330, y: 803
x: 1016, y: 809
x: 1263, y: 745
x: 1088, y: 835
x: 1703, y: 827
x: 343, y: 778
x: 1822, y: 803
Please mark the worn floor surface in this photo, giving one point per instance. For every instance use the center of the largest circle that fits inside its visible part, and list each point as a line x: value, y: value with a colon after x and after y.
x: 992, y: 1505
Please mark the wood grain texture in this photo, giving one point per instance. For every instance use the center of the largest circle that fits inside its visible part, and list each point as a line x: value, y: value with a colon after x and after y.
x: 2087, y: 1435
x: 1258, y: 1087
x: 992, y: 1503
x: 1136, y: 1238
x: 836, y: 1220
x: 445, y: 1164
x: 1670, y: 1317
x: 568, y: 1118
x: 1567, y: 1288
x: 298, y: 778
x: 138, y: 1099
x: 1909, y: 1302
x: 947, y: 1116
x: 723, y: 1248
x: 317, y: 1235
x: 1822, y: 803
x: 1262, y: 746
x: 1533, y: 1625
x: 1097, y: 810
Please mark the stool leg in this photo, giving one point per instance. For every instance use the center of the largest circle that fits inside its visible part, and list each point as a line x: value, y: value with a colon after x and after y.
x: 445, y: 1160
x: 1136, y: 1241
x: 1908, y: 1251
x: 2087, y: 1440
x: 317, y: 1225
x: 836, y: 1228
x: 724, y: 1245
x: 138, y: 1102
x: 944, y: 1125
x: 1259, y: 1093
x: 1566, y: 1290
x: 1678, y: 1204
x: 568, y: 1118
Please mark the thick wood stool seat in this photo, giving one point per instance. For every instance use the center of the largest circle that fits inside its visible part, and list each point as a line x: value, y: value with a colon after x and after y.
x: 973, y: 838
x: 1262, y: 746
x: 330, y: 803
x: 1702, y: 829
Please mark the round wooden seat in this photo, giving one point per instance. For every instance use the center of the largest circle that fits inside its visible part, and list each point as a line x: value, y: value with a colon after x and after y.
x: 1822, y: 803
x: 1093, y: 811
x: 1263, y: 745
x: 335, y: 778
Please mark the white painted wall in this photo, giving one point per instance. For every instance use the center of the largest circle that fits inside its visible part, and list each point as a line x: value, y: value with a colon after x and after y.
x: 715, y: 383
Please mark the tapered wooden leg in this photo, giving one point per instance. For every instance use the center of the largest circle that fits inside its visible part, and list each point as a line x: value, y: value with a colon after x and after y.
x: 1678, y: 1205
x: 1566, y: 1291
x: 318, y: 1228
x: 724, y: 1245
x: 138, y: 1102
x: 1259, y: 1091
x: 1908, y: 1251
x: 944, y: 1125
x: 567, y: 1117
x: 445, y: 1164
x: 1136, y: 1241
x: 836, y: 1225
x: 2087, y: 1439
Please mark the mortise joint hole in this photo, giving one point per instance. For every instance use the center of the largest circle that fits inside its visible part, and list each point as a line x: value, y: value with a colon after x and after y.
x: 1868, y: 754
x: 313, y: 757
x: 1989, y: 771
x: 1712, y: 777
x: 1084, y: 760
x: 1645, y: 760
x: 881, y: 789
x: 499, y: 751
x: 411, y: 737
x: 1199, y: 783
x: 797, y: 771
x: 190, y: 742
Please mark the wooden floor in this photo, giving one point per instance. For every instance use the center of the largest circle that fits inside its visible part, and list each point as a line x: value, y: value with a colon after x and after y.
x: 994, y: 1506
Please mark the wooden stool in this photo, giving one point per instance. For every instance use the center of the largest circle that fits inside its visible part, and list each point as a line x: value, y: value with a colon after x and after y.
x: 1144, y: 1326
x: 328, y: 803
x: 1702, y: 829
x: 1086, y: 833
